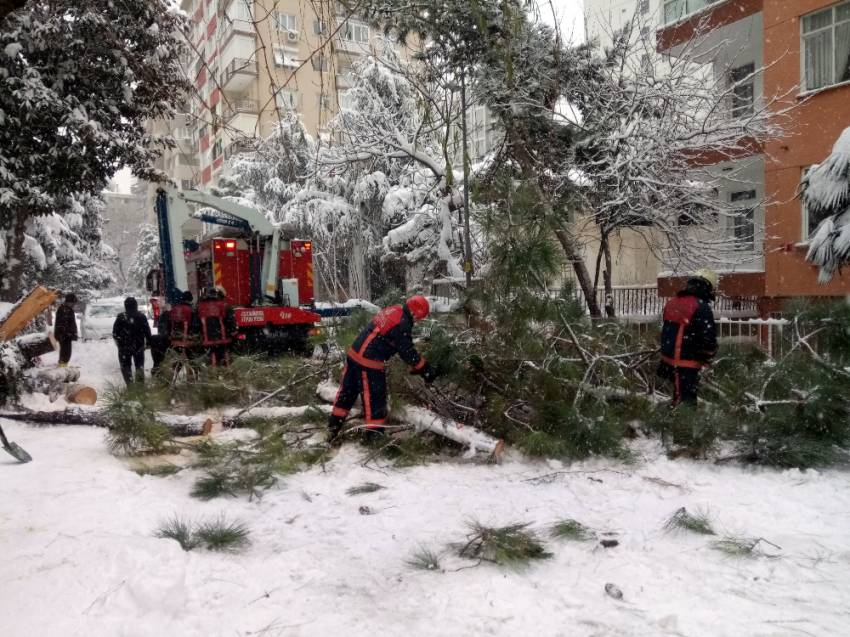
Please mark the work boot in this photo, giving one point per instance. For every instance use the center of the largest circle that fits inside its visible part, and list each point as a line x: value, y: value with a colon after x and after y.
x: 335, y: 429
x: 373, y: 436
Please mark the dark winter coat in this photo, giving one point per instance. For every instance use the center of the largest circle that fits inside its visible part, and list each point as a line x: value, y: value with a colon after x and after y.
x: 689, y: 335
x: 65, y: 327
x: 388, y: 334
x: 131, y: 332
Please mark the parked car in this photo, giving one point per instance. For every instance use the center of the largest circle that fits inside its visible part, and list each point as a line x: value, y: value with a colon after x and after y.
x: 98, y: 318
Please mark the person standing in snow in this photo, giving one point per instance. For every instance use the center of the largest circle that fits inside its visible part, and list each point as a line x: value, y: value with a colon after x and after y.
x: 688, y: 336
x: 65, y: 328
x: 131, y: 332
x: 388, y: 334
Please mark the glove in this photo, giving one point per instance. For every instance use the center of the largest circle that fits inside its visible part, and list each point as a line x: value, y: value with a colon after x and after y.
x: 429, y: 373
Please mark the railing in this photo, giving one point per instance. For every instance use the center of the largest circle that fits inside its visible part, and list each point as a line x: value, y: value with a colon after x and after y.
x: 238, y: 65
x: 238, y: 147
x: 235, y: 107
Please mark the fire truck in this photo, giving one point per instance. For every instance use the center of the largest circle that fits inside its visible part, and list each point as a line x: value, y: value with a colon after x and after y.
x: 266, y: 278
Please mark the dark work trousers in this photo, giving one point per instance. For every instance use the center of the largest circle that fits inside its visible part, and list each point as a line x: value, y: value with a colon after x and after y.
x: 372, y: 384
x: 136, y: 358
x: 685, y: 385
x: 159, y: 347
x: 65, y: 351
x: 217, y: 355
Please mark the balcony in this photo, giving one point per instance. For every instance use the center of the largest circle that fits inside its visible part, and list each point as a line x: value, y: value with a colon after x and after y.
x: 239, y: 74
x: 235, y: 107
x: 237, y: 147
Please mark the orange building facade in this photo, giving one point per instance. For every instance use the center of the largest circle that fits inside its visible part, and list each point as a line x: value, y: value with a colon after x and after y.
x: 805, y: 50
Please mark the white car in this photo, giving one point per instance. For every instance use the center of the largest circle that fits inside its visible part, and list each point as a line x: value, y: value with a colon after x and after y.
x: 98, y: 319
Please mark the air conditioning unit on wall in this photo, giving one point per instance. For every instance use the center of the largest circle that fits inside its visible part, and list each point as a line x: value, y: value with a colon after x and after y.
x: 292, y: 36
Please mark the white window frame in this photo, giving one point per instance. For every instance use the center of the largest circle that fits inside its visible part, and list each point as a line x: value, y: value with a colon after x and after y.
x: 740, y: 77
x: 741, y: 197
x: 345, y: 99
x: 286, y: 22
x: 286, y: 58
x: 286, y: 98
x: 804, y: 35
x: 688, y: 10
x: 355, y: 32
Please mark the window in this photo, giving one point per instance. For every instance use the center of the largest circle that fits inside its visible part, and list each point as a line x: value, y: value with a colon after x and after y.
x: 324, y: 102
x: 239, y: 10
x: 216, y: 150
x: 286, y: 22
x: 811, y: 219
x: 320, y: 27
x: 742, y: 80
x: 286, y: 99
x: 319, y: 62
x: 743, y: 223
x: 826, y: 47
x: 187, y: 184
x: 284, y: 57
x: 643, y: 6
x: 356, y: 32
x: 675, y: 10
x: 346, y: 100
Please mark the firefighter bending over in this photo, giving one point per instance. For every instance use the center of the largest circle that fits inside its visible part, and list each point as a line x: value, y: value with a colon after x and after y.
x: 688, y: 336
x: 389, y: 333
x: 217, y: 325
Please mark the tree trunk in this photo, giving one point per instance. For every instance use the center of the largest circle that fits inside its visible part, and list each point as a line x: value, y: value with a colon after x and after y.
x: 568, y: 243
x: 467, y: 240
x: 606, y: 278
x: 11, y: 288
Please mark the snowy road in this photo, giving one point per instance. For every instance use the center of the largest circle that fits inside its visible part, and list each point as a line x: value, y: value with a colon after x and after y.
x: 78, y: 555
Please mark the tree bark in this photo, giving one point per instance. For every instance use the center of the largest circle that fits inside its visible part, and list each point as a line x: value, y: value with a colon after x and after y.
x: 606, y: 278
x: 568, y: 243
x: 12, y: 288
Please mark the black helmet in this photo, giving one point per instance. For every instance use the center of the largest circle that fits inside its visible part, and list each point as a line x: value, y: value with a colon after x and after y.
x: 187, y: 297
x: 130, y: 304
x: 70, y: 298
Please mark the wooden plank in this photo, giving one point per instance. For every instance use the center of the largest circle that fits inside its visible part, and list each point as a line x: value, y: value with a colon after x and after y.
x: 25, y: 311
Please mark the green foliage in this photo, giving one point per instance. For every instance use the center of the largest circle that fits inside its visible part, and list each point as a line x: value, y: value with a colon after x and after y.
x: 366, y: 487
x: 250, y: 467
x: 424, y: 559
x: 573, y: 437
x: 345, y: 333
x: 688, y: 430
x: 512, y: 545
x: 684, y: 520
x: 132, y: 423
x: 161, y: 470
x: 569, y: 529
x: 222, y: 535
x: 214, y: 535
x: 416, y: 449
x: 179, y: 530
x: 739, y: 546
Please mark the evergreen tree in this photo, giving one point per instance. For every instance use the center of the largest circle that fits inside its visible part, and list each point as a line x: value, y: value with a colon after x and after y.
x: 86, y: 77
x: 146, y: 257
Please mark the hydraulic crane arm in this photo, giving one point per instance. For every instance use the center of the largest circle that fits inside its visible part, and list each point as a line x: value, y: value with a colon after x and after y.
x: 172, y: 210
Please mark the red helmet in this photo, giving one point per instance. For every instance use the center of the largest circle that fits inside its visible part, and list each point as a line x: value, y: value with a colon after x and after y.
x: 418, y: 306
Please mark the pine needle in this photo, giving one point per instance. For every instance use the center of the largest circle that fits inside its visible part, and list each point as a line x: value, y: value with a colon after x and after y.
x: 216, y: 535
x: 742, y: 546
x: 180, y: 530
x: 569, y: 529
x: 424, y: 559
x: 512, y: 545
x: 222, y: 535
x: 158, y: 470
x: 366, y: 487
x: 683, y: 520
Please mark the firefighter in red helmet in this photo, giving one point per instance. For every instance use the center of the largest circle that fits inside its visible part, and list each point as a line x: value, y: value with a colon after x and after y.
x: 389, y: 333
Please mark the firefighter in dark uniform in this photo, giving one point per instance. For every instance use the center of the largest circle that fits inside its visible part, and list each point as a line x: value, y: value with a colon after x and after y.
x: 131, y: 333
x: 65, y: 328
x: 183, y: 328
x: 217, y: 325
x: 688, y: 336
x: 389, y: 333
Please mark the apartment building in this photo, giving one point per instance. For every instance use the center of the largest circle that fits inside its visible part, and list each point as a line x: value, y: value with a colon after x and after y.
x: 804, y: 48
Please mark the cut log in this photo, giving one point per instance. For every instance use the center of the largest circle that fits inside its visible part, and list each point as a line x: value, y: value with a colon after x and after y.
x: 34, y: 345
x: 423, y: 419
x: 26, y: 310
x: 80, y: 394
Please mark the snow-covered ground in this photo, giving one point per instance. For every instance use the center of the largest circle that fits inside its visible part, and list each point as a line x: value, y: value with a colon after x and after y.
x: 78, y: 554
